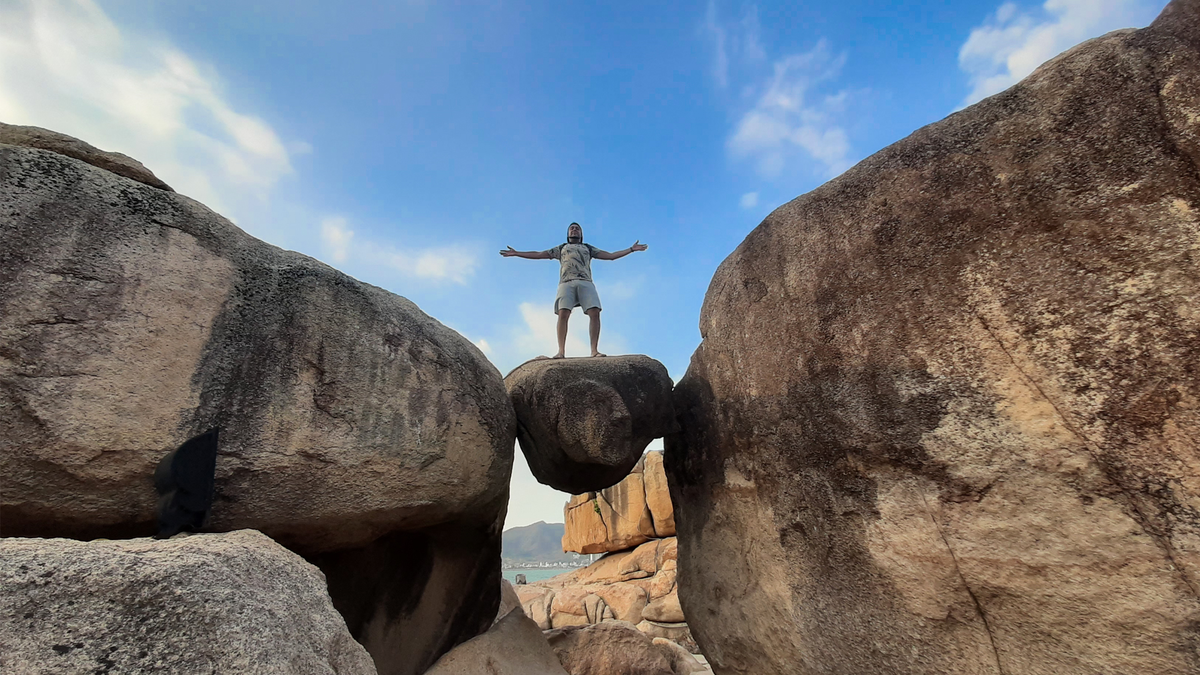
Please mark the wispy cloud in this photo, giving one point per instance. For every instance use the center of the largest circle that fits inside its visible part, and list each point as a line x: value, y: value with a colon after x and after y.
x: 737, y: 42
x: 335, y: 237
x: 1013, y: 41
x: 454, y: 263
x: 791, y: 121
x: 749, y: 200
x: 65, y: 65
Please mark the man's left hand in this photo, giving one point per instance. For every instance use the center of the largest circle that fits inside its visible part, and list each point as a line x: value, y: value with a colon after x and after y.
x: 637, y: 246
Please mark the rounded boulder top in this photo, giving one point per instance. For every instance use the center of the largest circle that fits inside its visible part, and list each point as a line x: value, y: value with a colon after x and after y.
x: 583, y: 423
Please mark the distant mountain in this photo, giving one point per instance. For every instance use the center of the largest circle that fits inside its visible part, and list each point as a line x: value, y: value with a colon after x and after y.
x: 537, y: 543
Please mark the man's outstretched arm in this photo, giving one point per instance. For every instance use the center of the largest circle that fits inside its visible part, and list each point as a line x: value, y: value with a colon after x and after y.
x: 605, y: 255
x: 530, y: 255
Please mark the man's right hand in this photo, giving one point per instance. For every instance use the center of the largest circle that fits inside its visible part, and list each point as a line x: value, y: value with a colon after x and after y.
x: 508, y: 252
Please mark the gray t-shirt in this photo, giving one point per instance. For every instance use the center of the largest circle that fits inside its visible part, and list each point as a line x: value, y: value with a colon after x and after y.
x: 575, y: 261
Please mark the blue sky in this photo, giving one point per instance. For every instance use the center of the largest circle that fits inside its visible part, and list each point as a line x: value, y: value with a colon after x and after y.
x: 405, y: 143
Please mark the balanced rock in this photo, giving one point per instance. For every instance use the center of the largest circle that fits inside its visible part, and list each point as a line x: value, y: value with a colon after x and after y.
x: 623, y: 516
x: 944, y: 418
x: 354, y: 429
x: 583, y: 423
x: 223, y: 603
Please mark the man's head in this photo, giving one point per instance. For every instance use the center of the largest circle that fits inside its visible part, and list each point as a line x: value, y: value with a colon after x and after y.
x: 574, y: 234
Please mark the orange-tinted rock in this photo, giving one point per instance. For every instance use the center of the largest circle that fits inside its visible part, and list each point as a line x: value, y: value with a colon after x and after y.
x: 536, y: 602
x: 658, y: 496
x: 664, y: 609
x: 613, y: 519
x: 626, y: 600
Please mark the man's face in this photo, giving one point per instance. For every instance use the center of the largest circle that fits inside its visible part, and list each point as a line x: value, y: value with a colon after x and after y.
x: 574, y: 234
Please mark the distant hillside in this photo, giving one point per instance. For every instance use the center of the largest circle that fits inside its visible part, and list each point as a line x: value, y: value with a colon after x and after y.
x: 539, y: 542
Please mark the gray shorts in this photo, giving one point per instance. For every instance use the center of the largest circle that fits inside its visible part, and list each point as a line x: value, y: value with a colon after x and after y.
x: 578, y: 293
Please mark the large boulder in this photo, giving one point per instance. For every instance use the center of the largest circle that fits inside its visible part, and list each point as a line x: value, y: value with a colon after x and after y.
x: 629, y: 513
x: 221, y: 603
x: 513, y: 646
x: 945, y: 417
x: 355, y: 429
x: 583, y: 423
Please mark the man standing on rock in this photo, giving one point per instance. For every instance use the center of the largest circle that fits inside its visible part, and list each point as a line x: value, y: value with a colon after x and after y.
x: 575, y: 287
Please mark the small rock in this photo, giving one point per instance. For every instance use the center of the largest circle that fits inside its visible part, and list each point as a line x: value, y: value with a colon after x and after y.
x: 513, y: 646
x: 608, y: 648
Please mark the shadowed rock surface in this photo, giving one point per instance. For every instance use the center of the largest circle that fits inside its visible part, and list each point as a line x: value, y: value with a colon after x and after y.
x: 945, y: 417
x: 354, y: 427
x: 583, y: 423
x: 221, y: 603
x: 513, y: 646
x: 44, y: 139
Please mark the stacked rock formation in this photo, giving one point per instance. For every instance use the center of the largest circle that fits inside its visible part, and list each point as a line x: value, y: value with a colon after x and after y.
x: 620, y: 517
x: 355, y: 430
x: 635, y: 582
x: 583, y: 423
x: 945, y: 417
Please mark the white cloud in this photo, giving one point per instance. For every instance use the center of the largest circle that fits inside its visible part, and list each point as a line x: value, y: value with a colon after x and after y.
x: 1013, y: 42
x: 716, y: 31
x: 484, y: 347
x: 336, y: 238
x: 738, y: 42
x: 445, y: 263
x: 539, y: 335
x: 749, y: 200
x: 65, y: 65
x: 789, y: 121
x: 454, y: 263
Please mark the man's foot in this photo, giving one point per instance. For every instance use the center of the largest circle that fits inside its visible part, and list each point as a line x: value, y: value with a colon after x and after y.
x: 559, y: 355
x: 598, y: 354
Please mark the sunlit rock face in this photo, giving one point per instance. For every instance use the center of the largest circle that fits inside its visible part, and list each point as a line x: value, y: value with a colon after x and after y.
x: 946, y: 414
x: 583, y: 423
x: 354, y: 429
x: 629, y: 513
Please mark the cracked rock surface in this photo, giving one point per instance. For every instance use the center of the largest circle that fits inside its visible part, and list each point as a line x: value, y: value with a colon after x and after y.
x: 222, y: 603
x: 583, y: 423
x: 946, y: 414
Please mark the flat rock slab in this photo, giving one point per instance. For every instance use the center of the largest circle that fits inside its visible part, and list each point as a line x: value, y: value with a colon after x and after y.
x: 583, y: 423
x: 208, y: 603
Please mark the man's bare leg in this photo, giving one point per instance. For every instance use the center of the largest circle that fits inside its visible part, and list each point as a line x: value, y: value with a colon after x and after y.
x: 594, y: 330
x: 564, y: 315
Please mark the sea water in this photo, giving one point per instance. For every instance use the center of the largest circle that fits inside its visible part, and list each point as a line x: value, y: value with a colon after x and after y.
x: 535, y: 573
